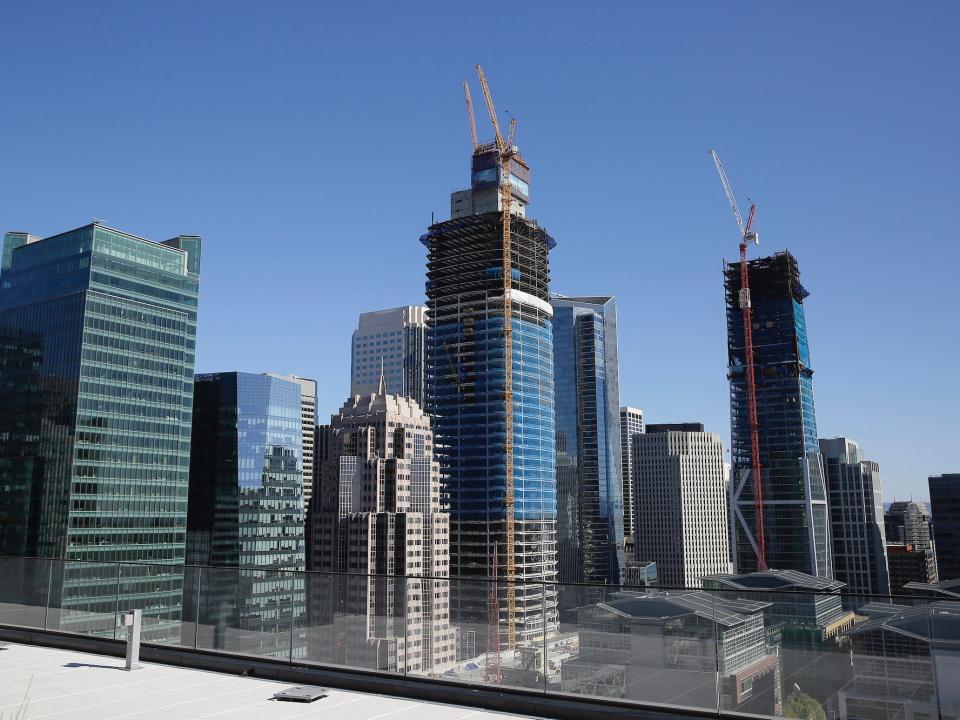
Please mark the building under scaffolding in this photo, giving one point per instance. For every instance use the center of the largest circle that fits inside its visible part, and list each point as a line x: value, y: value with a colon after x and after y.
x: 465, y: 394
x: 795, y: 517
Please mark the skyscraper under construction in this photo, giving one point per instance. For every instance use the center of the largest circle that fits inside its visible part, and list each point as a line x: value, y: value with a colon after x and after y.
x: 467, y: 394
x: 794, y: 502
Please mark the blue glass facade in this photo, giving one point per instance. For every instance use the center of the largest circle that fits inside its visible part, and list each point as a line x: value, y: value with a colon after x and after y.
x: 97, y: 330
x: 796, y: 520
x: 590, y: 543
x: 465, y: 394
x: 246, y: 504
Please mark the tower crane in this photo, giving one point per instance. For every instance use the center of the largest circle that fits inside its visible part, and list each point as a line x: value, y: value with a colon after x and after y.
x: 473, y: 121
x: 505, y: 153
x: 748, y: 235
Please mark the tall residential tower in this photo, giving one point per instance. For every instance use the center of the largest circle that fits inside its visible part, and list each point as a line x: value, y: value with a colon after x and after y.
x: 795, y: 515
x: 631, y: 424
x: 466, y: 395
x: 392, y: 342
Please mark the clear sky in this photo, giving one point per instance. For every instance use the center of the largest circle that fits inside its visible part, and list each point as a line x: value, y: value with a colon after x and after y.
x: 309, y: 143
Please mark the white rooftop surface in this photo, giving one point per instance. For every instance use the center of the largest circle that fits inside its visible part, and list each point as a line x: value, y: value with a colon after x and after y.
x: 70, y: 685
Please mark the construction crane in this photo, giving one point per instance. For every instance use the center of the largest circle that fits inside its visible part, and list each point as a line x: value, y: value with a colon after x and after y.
x: 748, y: 235
x: 473, y: 121
x: 505, y: 153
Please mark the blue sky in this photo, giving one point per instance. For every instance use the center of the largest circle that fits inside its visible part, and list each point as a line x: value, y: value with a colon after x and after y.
x: 308, y: 143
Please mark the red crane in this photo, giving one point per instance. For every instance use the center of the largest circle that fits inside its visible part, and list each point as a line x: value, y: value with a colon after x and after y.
x: 748, y: 235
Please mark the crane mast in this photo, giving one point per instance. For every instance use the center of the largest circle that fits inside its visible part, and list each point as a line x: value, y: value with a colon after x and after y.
x: 748, y: 235
x: 505, y: 154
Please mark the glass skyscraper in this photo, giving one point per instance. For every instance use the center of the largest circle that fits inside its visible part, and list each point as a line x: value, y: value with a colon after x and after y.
x: 465, y: 394
x: 795, y: 516
x: 246, y: 510
x: 590, y: 537
x: 97, y: 338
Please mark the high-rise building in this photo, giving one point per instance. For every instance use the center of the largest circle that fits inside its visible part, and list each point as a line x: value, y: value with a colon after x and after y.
x: 308, y: 428
x: 97, y: 337
x: 909, y: 564
x: 681, y: 505
x: 631, y: 423
x: 392, y: 341
x: 590, y: 546
x: 466, y: 396
x: 795, y: 514
x: 377, y: 517
x: 246, y: 516
x: 856, y: 521
x: 908, y: 523
x: 945, y: 506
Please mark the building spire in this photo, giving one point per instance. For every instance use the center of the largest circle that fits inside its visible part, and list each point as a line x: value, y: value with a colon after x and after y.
x: 382, y: 390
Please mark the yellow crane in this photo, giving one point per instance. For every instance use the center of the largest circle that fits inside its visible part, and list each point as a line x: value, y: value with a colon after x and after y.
x: 505, y: 153
x: 473, y: 121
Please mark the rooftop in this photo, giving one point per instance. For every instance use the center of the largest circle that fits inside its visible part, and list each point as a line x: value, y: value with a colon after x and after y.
x: 66, y: 684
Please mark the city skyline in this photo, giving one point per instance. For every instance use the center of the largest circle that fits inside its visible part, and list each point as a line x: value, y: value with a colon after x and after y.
x: 676, y: 244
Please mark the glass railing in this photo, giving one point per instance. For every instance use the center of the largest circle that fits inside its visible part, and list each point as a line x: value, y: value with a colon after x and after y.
x: 810, y: 655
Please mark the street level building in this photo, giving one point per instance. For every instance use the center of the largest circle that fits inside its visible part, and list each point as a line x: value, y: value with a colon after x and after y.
x: 97, y: 344
x: 378, y: 521
x: 466, y: 383
x: 945, y: 506
x: 681, y: 507
x: 392, y: 342
x: 590, y: 544
x: 794, y: 504
x: 856, y: 521
x: 246, y: 517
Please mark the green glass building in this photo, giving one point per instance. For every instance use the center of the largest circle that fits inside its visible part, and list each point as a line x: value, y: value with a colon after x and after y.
x: 97, y: 346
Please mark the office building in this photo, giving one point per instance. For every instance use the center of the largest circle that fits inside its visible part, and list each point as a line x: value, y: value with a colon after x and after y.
x: 590, y: 545
x: 907, y: 564
x: 378, y: 513
x: 945, y: 506
x: 308, y: 428
x: 795, y: 514
x: 908, y: 523
x: 392, y: 341
x: 673, y: 649
x: 97, y: 338
x: 681, y: 505
x: 856, y: 521
x: 466, y: 366
x: 631, y: 423
x: 246, y: 511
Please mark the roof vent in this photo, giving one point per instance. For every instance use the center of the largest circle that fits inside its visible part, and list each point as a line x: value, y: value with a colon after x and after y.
x: 301, y: 693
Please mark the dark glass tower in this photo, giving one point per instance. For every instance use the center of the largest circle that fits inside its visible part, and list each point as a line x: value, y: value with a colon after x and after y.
x: 465, y: 361
x: 246, y: 511
x: 945, y: 506
x: 795, y: 516
x: 97, y: 336
x: 589, y: 486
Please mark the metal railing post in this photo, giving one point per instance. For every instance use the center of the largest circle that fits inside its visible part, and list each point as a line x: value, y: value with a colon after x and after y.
x: 46, y: 607
x: 196, y: 618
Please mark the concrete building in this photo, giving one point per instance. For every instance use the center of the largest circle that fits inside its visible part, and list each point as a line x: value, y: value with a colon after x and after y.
x: 908, y: 564
x: 908, y: 523
x: 856, y: 521
x: 97, y: 337
x: 308, y: 426
x: 668, y: 649
x: 680, y: 507
x: 631, y: 423
x: 392, y: 341
x: 377, y: 517
x: 794, y: 504
x: 945, y: 506
x: 590, y: 544
x: 246, y: 511
x: 466, y: 371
